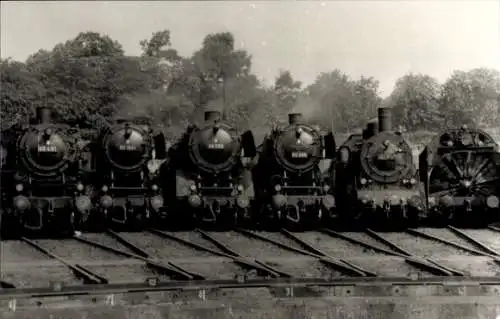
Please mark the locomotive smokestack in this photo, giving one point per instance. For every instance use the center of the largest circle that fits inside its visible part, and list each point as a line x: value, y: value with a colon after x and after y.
x: 294, y: 118
x: 384, y: 119
x: 43, y: 114
x: 213, y: 116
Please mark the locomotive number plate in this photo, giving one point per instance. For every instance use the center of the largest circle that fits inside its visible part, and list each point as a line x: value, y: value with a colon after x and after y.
x: 127, y: 148
x: 216, y: 146
x: 299, y: 155
x: 47, y: 149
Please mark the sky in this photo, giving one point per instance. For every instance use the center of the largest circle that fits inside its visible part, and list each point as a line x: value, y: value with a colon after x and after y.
x: 371, y: 38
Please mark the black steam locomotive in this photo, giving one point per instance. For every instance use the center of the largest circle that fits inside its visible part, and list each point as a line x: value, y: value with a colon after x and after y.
x: 207, y: 173
x: 126, y: 192
x: 292, y: 188
x: 460, y: 170
x: 376, y: 178
x: 44, y: 178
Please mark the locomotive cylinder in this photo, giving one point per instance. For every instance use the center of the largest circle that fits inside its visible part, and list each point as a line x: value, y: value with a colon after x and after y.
x: 294, y: 118
x: 43, y: 115
x: 384, y: 119
x: 212, y: 116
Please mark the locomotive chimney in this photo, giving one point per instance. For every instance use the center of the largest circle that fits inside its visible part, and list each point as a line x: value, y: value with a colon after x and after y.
x: 384, y: 119
x: 212, y: 116
x: 43, y: 114
x: 294, y: 118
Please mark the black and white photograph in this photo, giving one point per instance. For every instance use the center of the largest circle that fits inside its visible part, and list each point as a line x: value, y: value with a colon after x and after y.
x: 239, y: 159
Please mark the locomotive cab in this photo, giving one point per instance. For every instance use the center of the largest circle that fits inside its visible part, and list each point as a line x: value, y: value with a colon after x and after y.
x: 128, y: 193
x: 49, y: 185
x: 293, y: 187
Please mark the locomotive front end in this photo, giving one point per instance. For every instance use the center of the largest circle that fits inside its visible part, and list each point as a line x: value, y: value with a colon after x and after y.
x: 388, y: 187
x: 461, y: 170
x: 129, y: 193
x: 49, y: 188
x: 298, y: 189
x: 221, y: 191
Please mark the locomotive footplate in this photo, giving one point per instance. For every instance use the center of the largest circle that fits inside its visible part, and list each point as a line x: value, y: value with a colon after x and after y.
x: 127, y: 211
x: 300, y: 209
x: 44, y: 213
x: 460, y: 209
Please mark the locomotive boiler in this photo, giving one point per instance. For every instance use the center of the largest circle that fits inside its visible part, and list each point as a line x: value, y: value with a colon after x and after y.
x: 460, y: 171
x: 208, y: 169
x: 44, y: 181
x: 376, y: 177
x: 127, y: 193
x: 292, y: 187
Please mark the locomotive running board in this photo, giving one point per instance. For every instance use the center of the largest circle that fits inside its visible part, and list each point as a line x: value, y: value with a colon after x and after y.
x: 349, y: 286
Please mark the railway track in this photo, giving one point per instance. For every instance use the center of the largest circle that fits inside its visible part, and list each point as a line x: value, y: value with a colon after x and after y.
x: 159, y: 260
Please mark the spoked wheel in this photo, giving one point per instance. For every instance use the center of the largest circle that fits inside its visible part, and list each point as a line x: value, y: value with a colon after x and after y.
x: 469, y: 174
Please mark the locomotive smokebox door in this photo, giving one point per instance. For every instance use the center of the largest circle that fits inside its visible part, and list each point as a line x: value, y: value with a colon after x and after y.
x: 248, y: 144
x: 384, y: 119
x: 330, y: 147
x: 213, y: 116
x: 294, y: 118
x: 43, y: 115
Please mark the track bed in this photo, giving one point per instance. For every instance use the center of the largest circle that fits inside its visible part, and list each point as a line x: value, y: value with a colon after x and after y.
x: 199, y: 255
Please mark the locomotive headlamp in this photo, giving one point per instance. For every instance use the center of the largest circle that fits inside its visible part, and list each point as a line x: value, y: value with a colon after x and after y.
x: 83, y: 203
x: 157, y: 202
x: 466, y: 139
x: 449, y: 143
x: 432, y: 201
x: 48, y: 132
x: 154, y: 187
x: 104, y: 188
x: 413, y: 181
x: 326, y: 188
x: 492, y: 201
x: 239, y: 188
x: 328, y: 201
x: 242, y: 202
x: 193, y: 187
x: 19, y: 187
x: 106, y: 201
x: 194, y: 201
x: 279, y: 201
x: 363, y: 181
x: 21, y: 203
x: 446, y: 201
x: 80, y: 187
x: 277, y: 187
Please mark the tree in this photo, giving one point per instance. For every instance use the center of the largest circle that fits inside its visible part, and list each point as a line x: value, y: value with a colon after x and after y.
x: 415, y: 102
x: 88, y: 75
x: 287, y: 91
x: 21, y: 92
x: 472, y: 97
x: 342, y: 104
x: 159, y: 46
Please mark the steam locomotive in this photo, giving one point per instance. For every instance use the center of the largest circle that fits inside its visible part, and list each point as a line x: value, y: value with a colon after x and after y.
x: 44, y: 178
x: 207, y: 170
x: 460, y: 171
x: 376, y: 177
x: 126, y: 193
x: 292, y: 189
